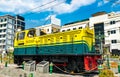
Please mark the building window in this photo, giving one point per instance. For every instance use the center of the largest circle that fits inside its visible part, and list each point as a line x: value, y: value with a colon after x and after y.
x: 4, y: 25
x: 22, y: 23
x: 74, y: 28
x: 80, y: 28
x: 1, y: 20
x: 68, y: 29
x: 4, y: 36
x: 113, y: 41
x: 112, y: 22
x: 63, y: 30
x: 113, y: 31
x: 47, y: 30
x: 4, y: 30
x: 5, y: 19
x: 3, y: 46
x: 18, y: 22
x: 108, y: 32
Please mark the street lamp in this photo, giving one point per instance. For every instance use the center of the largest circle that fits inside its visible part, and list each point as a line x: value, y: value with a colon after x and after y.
x: 108, y: 55
x: 2, y: 50
x: 1, y: 56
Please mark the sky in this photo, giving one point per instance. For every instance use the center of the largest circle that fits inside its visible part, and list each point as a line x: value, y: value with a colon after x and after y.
x: 37, y: 12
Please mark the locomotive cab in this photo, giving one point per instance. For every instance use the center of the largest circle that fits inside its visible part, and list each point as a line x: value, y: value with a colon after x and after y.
x: 19, y: 39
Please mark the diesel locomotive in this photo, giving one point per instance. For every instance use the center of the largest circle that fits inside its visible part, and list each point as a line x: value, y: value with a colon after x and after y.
x: 71, y: 50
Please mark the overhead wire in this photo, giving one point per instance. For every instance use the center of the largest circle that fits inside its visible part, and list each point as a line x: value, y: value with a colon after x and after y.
x: 94, y: 8
x: 39, y: 7
x: 45, y: 8
x: 75, y: 14
x: 50, y: 16
x: 58, y: 4
x: 54, y: 5
x: 42, y: 5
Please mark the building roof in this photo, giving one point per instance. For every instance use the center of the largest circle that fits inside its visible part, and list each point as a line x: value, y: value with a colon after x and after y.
x: 7, y: 15
x: 99, y: 13
x: 76, y: 22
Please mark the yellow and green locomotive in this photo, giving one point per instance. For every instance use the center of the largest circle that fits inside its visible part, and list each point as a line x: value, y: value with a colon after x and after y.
x: 72, y: 50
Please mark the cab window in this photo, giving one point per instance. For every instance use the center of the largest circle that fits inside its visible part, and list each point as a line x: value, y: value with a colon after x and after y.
x: 31, y: 33
x: 21, y: 36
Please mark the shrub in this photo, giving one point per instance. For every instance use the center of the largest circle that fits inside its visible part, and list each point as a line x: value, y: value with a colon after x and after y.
x: 106, y: 73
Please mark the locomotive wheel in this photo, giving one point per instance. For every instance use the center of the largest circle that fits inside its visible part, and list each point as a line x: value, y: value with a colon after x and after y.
x: 71, y: 67
x: 74, y: 66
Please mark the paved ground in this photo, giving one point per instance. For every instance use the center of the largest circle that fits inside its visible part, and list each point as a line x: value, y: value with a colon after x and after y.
x: 117, y: 75
x: 13, y: 71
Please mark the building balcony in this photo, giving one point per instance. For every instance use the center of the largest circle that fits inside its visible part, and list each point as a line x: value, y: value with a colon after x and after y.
x: 3, y: 38
x: 4, y: 22
x: 3, y: 28
x: 1, y: 33
x: 1, y: 44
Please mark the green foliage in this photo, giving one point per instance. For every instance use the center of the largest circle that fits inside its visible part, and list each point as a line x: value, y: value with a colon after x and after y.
x: 114, y: 56
x: 106, y: 73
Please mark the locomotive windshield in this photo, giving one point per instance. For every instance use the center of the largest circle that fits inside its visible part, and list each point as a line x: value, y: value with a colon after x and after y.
x: 21, y: 36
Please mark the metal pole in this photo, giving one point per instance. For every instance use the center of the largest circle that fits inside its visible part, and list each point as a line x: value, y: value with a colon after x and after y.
x: 51, y: 67
x: 1, y: 57
x: 9, y: 57
x: 108, y: 64
x: 2, y: 51
x: 101, y: 46
x: 100, y: 39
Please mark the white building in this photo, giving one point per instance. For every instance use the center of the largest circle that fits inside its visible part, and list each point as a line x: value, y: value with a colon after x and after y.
x: 52, y: 26
x: 7, y: 30
x: 49, y: 28
x: 75, y: 25
x: 107, y: 25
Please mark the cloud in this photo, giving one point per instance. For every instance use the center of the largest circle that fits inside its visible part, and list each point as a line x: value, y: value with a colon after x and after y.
x: 23, y: 6
x: 118, y: 12
x: 74, y: 5
x: 116, y: 3
x: 16, y: 6
x: 106, y: 1
x: 100, y: 3
x: 50, y: 16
